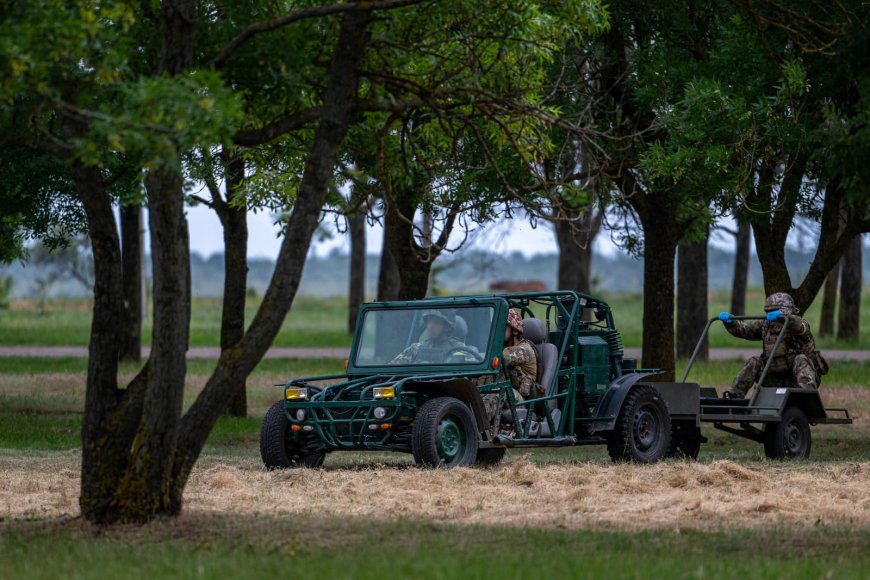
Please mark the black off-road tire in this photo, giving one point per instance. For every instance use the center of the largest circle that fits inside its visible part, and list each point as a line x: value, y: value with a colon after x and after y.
x: 279, y: 449
x: 686, y: 440
x: 490, y: 456
x: 790, y: 438
x: 642, y: 432
x: 445, y: 434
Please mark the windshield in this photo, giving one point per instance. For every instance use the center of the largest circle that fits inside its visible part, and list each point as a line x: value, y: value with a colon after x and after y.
x: 425, y: 336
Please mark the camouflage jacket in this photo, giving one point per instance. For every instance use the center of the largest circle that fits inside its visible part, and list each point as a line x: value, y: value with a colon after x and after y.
x: 797, y: 340
x: 522, y: 367
x: 434, y: 352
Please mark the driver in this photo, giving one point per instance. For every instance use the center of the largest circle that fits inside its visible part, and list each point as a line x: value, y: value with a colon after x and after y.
x: 440, y: 345
x: 796, y: 353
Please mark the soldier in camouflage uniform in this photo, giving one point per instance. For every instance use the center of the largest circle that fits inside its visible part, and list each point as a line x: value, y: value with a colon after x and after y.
x: 519, y: 358
x: 441, y: 346
x: 520, y: 362
x: 796, y: 353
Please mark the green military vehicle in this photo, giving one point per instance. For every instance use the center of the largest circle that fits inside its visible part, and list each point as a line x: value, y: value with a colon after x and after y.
x: 445, y: 398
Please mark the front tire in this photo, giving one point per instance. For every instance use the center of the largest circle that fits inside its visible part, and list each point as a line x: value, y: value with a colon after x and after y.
x: 791, y: 438
x: 445, y: 434
x: 279, y: 448
x: 643, y: 428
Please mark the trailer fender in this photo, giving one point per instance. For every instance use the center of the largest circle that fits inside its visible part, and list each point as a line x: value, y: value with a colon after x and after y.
x: 610, y: 404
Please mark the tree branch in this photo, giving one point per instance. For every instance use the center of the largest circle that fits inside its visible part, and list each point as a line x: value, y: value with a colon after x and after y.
x: 303, y: 14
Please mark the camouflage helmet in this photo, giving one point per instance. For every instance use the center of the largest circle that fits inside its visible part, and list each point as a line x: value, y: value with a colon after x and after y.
x: 515, y: 321
x: 780, y: 301
x: 447, y: 316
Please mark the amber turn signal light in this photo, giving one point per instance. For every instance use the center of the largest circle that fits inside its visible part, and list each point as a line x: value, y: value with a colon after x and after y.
x: 495, y: 362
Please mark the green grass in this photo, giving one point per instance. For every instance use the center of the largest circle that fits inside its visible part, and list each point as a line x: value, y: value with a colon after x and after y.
x: 310, y: 547
x: 314, y: 322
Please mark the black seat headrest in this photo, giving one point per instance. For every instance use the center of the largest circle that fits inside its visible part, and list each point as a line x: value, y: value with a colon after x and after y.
x: 535, y: 330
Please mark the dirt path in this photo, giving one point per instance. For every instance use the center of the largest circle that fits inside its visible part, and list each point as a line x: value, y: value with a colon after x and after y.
x: 332, y: 352
x: 669, y: 496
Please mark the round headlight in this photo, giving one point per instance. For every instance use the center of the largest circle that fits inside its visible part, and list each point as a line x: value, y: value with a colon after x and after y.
x: 380, y: 412
x: 300, y: 414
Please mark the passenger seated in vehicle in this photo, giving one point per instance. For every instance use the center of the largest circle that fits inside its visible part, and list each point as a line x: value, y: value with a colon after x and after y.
x: 519, y: 358
x: 440, y: 346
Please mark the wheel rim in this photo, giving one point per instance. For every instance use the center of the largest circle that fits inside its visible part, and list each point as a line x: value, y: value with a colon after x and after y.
x: 646, y: 428
x: 793, y: 438
x: 450, y: 439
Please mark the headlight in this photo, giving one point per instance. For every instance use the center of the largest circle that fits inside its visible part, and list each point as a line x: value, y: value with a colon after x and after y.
x: 384, y: 392
x: 295, y: 393
x: 300, y: 414
x: 380, y: 412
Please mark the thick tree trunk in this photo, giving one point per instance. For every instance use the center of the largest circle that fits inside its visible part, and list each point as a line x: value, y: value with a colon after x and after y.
x: 692, y: 298
x: 130, y: 339
x: 829, y: 303
x: 575, y: 237
x: 235, y: 229
x: 144, y: 492
x: 356, y: 226
x: 388, y: 273
x: 413, y: 271
x: 849, y: 322
x: 236, y: 363
x: 660, y: 248
x: 741, y: 269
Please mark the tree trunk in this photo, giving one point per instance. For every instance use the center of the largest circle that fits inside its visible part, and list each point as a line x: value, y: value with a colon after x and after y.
x: 829, y: 303
x: 741, y: 269
x: 236, y: 363
x: 130, y: 333
x: 413, y: 272
x: 356, y: 226
x: 575, y: 237
x: 660, y: 248
x: 692, y: 307
x: 235, y: 228
x: 849, y: 322
x: 388, y: 273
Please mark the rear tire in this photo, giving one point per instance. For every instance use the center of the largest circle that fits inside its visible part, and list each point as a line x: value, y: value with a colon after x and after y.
x: 279, y: 448
x: 445, y: 434
x: 490, y: 456
x: 643, y: 428
x: 791, y: 438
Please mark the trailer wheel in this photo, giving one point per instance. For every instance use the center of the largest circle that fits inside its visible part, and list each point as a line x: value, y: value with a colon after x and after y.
x: 686, y: 440
x: 490, y: 456
x: 790, y: 438
x: 279, y: 448
x: 643, y: 428
x: 445, y: 434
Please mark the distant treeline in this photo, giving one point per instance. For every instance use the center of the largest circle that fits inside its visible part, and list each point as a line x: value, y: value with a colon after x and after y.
x: 468, y: 272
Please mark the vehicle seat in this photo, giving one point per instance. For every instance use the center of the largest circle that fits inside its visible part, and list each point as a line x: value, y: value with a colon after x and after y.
x: 460, y: 329
x: 546, y: 353
x: 547, y: 356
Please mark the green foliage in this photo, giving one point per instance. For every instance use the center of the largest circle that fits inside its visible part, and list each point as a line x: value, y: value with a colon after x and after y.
x: 5, y: 291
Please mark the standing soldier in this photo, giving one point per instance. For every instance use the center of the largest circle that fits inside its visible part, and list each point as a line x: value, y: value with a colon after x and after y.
x: 519, y: 358
x: 796, y: 353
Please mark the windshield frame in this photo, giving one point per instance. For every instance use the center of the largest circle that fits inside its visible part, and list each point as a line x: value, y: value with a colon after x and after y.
x: 499, y: 313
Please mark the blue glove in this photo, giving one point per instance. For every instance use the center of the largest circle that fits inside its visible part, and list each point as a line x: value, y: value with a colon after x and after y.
x: 774, y: 316
x: 726, y: 317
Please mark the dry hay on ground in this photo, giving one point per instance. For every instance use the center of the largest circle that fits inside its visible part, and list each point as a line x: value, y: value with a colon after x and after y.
x: 680, y: 495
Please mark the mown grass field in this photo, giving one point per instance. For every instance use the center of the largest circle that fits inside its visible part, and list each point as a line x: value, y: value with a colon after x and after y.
x: 316, y: 322
x: 544, y: 513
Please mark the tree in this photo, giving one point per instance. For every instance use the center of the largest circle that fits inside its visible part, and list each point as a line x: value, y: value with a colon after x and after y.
x: 163, y: 89
x: 741, y: 268
x: 692, y: 298
x: 850, y: 292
